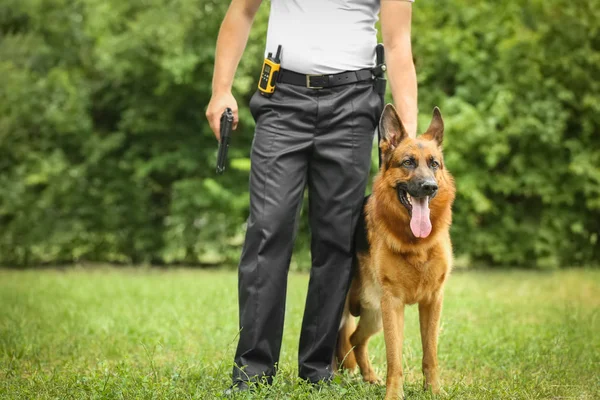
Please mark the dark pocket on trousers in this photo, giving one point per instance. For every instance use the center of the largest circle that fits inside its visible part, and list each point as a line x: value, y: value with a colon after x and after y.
x: 252, y: 104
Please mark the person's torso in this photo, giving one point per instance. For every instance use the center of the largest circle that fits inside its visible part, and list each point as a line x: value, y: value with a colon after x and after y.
x: 323, y: 36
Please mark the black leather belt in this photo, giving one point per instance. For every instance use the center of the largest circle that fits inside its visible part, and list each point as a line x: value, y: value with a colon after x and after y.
x: 324, y: 81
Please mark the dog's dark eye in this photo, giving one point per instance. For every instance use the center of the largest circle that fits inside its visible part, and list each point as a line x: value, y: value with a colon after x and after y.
x: 435, y: 164
x: 407, y: 163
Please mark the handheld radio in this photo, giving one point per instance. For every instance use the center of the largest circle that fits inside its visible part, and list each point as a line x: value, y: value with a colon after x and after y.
x: 269, y: 73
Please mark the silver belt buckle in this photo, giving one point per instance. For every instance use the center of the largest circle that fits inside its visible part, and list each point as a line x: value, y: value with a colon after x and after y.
x: 308, y: 76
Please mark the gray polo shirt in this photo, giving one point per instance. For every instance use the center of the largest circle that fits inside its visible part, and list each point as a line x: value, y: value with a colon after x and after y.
x: 324, y: 36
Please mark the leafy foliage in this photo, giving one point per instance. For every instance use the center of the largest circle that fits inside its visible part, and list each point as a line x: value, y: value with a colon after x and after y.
x: 518, y: 86
x: 105, y: 153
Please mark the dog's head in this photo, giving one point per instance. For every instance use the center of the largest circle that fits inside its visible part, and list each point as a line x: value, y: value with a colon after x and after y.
x: 414, y: 170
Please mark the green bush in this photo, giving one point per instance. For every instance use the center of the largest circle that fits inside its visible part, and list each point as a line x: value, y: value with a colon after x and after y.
x: 519, y: 86
x: 105, y: 153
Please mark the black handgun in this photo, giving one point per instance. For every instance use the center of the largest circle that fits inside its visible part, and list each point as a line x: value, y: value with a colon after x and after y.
x: 379, y: 70
x: 226, y: 127
x: 380, y: 85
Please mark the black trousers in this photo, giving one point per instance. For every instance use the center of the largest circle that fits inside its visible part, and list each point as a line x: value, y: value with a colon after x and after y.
x: 321, y: 138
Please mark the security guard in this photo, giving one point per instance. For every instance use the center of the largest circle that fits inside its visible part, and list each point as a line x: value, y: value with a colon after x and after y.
x: 315, y: 129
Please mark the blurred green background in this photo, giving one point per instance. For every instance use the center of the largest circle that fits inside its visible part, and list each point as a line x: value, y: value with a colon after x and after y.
x: 106, y: 155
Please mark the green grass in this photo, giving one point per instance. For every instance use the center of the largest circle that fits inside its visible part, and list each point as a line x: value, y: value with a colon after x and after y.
x: 155, y: 334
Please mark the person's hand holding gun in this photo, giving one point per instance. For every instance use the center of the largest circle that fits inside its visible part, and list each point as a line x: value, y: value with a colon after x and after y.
x: 218, y: 103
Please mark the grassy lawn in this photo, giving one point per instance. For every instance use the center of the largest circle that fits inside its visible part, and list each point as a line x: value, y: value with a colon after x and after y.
x: 127, y: 333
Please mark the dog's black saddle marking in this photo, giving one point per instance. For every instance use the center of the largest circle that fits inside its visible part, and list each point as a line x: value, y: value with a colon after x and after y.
x: 361, y: 242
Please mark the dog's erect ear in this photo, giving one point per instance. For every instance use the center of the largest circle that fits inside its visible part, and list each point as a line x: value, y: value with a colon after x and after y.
x: 391, y: 129
x: 436, y: 128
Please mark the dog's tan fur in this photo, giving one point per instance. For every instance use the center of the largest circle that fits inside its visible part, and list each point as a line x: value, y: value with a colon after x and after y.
x: 400, y: 269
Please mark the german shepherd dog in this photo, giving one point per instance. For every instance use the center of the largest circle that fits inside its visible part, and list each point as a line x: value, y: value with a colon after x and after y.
x: 403, y: 253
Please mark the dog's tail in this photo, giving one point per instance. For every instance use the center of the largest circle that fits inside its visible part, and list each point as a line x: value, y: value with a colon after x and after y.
x: 345, y: 352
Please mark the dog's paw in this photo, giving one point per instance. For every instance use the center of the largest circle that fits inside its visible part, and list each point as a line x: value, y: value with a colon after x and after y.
x: 434, y: 387
x: 395, y: 396
x: 372, y: 378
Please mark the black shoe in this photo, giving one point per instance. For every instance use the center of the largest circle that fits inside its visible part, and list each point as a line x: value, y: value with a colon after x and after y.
x: 236, y: 387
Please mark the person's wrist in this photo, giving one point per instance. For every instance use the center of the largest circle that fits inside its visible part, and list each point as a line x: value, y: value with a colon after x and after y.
x: 221, y: 90
x: 411, y: 129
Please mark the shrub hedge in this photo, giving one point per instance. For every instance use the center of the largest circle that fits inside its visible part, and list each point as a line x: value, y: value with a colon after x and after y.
x: 106, y: 156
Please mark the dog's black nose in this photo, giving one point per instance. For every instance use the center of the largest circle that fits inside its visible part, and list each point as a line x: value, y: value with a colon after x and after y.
x: 429, y: 187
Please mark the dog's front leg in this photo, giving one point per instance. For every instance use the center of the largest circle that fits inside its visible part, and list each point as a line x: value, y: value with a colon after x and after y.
x: 429, y: 318
x: 392, y: 312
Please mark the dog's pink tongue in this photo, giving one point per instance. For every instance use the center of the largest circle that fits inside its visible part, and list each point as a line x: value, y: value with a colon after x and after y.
x: 419, y: 222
